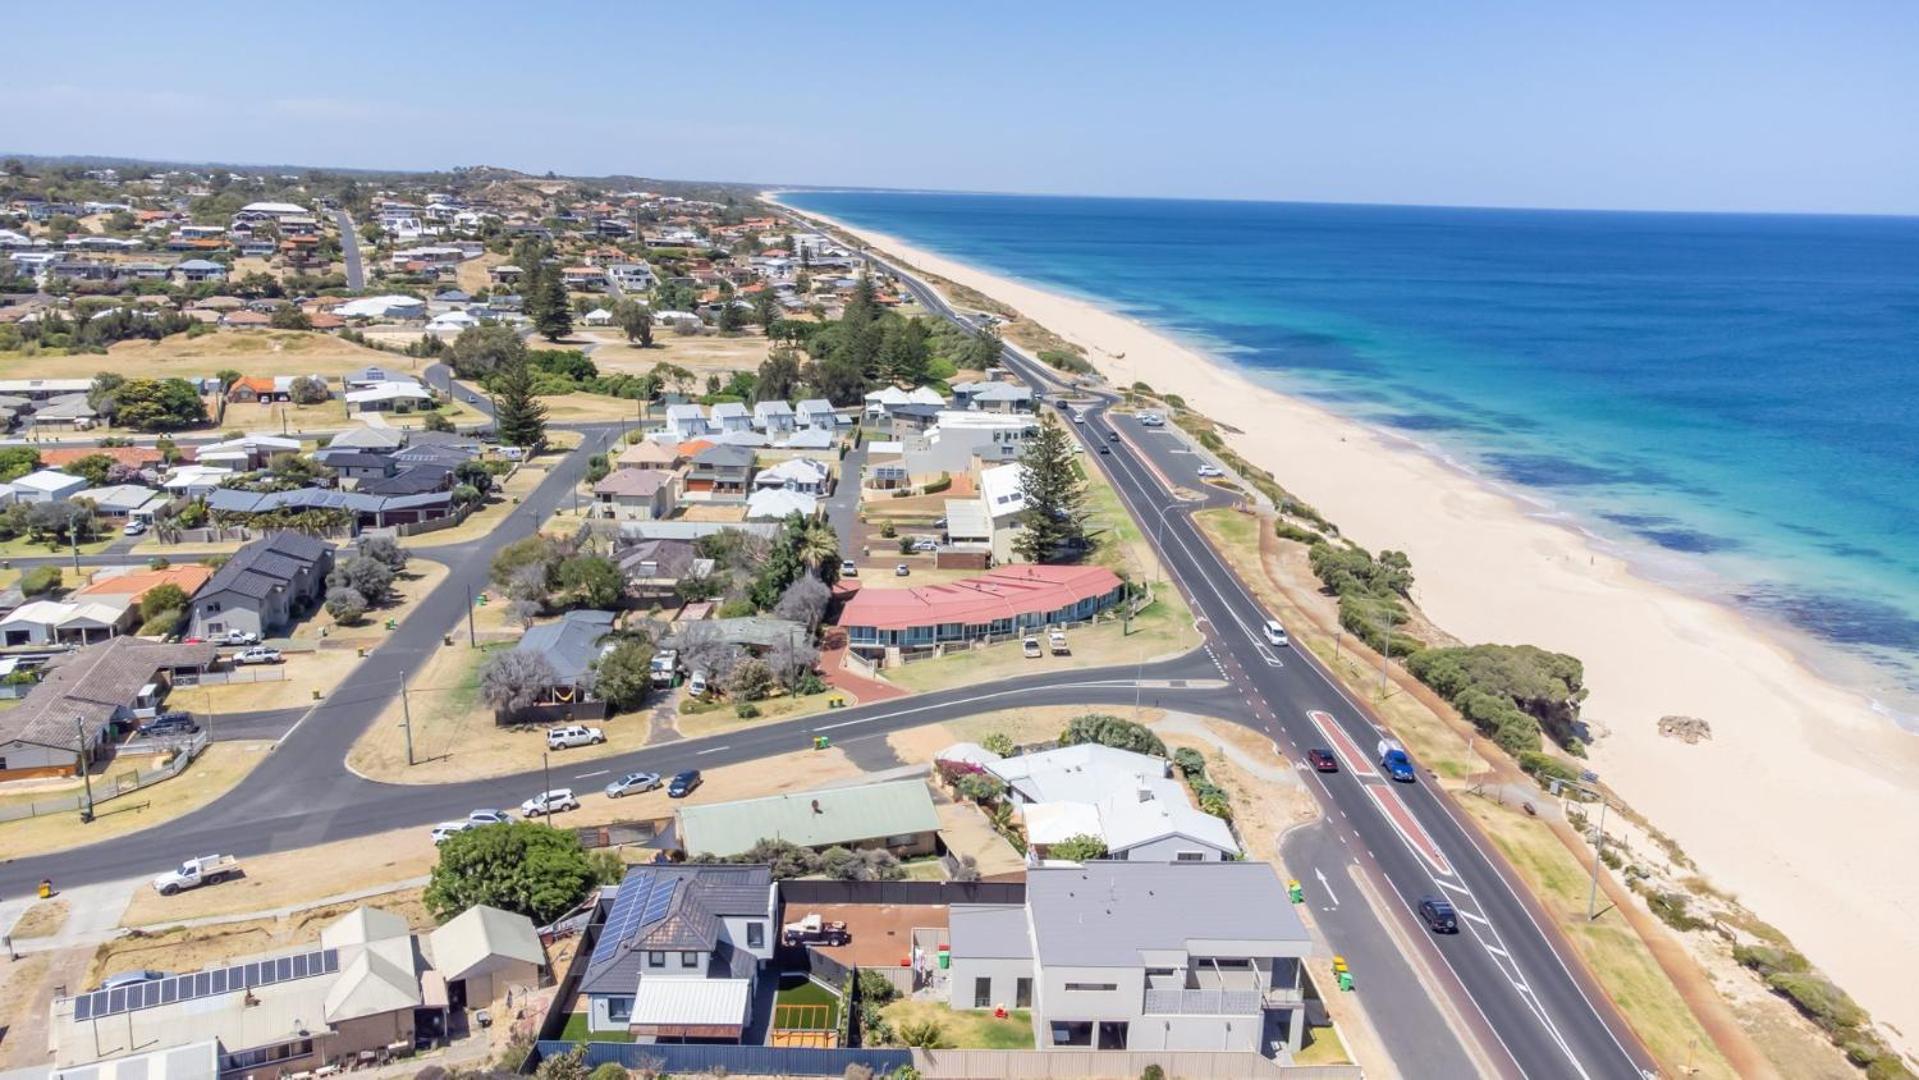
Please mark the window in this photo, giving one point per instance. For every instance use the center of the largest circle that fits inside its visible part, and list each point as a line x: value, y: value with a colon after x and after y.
x: 982, y: 992
x: 1022, y: 993
x: 656, y: 959
x: 1190, y: 856
x: 1091, y: 987
x: 689, y: 959
x: 1072, y: 1033
x: 756, y: 935
x: 247, y: 1059
x: 619, y: 1010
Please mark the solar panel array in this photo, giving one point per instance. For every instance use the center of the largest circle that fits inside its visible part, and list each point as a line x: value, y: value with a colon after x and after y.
x: 199, y: 984
x: 645, y: 897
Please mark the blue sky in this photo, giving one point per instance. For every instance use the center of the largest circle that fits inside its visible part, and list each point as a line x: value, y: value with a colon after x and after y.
x: 1699, y: 105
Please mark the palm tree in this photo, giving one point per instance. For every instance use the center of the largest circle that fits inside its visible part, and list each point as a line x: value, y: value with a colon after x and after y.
x: 818, y: 546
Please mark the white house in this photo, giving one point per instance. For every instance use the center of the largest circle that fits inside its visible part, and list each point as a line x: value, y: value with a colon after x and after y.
x: 796, y: 474
x: 194, y: 481
x: 196, y: 270
x: 47, y: 485
x: 1002, y: 492
x: 778, y: 504
x: 388, y: 397
x: 817, y: 413
x: 1140, y: 956
x: 774, y: 417
x: 731, y: 416
x: 686, y: 421
x: 598, y: 317
x: 392, y: 306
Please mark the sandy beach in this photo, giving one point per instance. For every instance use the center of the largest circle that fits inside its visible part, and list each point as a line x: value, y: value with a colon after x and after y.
x: 1803, y: 791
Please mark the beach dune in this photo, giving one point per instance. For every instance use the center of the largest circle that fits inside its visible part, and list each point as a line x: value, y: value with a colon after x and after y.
x: 1804, y: 803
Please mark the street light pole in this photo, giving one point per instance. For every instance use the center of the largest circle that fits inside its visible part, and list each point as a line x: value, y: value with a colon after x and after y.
x: 406, y: 720
x: 472, y: 641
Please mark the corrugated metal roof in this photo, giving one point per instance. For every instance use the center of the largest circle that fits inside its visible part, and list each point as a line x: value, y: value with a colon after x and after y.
x: 822, y: 818
x: 1105, y: 914
x: 691, y: 1001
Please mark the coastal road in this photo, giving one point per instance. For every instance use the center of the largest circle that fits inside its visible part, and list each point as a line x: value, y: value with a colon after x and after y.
x: 1533, y: 1011
x: 303, y: 794
x: 350, y: 251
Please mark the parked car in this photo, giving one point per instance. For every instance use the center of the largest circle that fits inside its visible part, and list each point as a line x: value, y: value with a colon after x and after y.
x: 171, y: 723
x: 1030, y: 648
x: 1439, y: 915
x: 131, y: 978
x: 683, y: 784
x: 205, y: 870
x: 632, y: 784
x: 134, y: 528
x: 446, y: 830
x: 489, y: 817
x: 926, y: 544
x: 237, y: 637
x: 547, y: 803
x: 1322, y: 759
x: 1210, y: 470
x: 696, y: 685
x: 563, y: 738
x: 258, y: 654
x: 901, y: 570
x: 848, y: 569
x: 1275, y: 633
x: 1056, y: 642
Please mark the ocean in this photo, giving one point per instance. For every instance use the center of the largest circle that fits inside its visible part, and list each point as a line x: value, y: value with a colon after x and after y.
x: 1730, y: 400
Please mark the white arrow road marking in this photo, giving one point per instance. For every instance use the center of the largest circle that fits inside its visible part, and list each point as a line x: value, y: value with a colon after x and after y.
x: 1326, y: 885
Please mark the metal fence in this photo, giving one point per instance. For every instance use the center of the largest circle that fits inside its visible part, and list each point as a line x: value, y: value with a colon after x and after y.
x: 108, y: 788
x: 253, y: 673
x: 801, y: 893
x: 1117, y: 1065
x: 682, y: 1058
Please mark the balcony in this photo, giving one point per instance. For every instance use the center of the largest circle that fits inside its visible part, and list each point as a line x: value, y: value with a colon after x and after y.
x: 1202, y: 1002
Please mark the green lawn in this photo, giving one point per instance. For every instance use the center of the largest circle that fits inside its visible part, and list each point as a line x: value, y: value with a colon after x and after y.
x: 804, y: 991
x: 576, y: 1032
x: 22, y: 546
x: 970, y: 1030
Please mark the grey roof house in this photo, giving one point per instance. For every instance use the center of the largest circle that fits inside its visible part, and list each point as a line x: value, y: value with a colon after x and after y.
x: 570, y: 646
x: 1120, y: 955
x: 679, y: 956
x: 263, y: 587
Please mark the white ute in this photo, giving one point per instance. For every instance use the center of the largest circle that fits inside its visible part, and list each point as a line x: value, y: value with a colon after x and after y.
x: 562, y: 738
x: 205, y: 870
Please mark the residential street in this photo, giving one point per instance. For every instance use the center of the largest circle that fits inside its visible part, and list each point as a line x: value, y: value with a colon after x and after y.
x: 350, y: 251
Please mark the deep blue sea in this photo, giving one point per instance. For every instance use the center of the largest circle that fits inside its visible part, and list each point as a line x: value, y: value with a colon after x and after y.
x: 1732, y: 398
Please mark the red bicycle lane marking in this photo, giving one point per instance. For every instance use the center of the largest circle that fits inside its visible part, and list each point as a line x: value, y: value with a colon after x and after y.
x: 1357, y: 763
x: 1408, y: 826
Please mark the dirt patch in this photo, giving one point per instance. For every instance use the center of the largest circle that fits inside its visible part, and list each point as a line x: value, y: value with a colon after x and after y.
x: 218, y: 769
x: 1687, y: 729
x: 43, y: 919
x: 192, y: 948
x: 882, y: 933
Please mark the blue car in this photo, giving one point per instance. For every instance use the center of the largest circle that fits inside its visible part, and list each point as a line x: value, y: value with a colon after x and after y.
x: 1393, y: 759
x: 683, y: 784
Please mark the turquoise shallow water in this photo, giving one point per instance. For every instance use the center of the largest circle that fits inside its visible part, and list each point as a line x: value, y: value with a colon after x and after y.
x: 1735, y: 398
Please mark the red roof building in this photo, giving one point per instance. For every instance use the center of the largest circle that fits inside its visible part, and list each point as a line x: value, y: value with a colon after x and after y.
x: 1001, y: 602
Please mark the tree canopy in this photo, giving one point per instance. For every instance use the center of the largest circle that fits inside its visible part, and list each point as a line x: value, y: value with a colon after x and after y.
x: 1054, y: 521
x: 532, y: 869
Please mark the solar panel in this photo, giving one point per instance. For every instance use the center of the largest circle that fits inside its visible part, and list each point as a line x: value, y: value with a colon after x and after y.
x: 197, y: 984
x: 629, y: 908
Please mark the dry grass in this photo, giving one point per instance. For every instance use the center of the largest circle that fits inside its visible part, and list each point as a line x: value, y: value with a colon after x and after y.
x: 1615, y: 955
x: 251, y: 352
x: 583, y: 408
x: 222, y: 766
x: 505, y: 499
x: 286, y: 879
x: 302, y: 674
x: 43, y: 919
x: 702, y: 354
x: 470, y: 275
x: 191, y: 948
x: 420, y: 577
x: 772, y: 711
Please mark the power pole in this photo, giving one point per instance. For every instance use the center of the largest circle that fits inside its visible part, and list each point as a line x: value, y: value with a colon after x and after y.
x: 80, y: 762
x: 1599, y: 845
x: 472, y: 641
x: 406, y: 720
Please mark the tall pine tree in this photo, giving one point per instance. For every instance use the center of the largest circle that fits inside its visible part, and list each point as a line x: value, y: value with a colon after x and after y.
x: 1054, y: 521
x: 552, y: 314
x: 518, y: 416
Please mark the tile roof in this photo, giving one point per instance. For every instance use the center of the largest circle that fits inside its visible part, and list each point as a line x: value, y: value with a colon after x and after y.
x: 268, y: 563
x: 93, y: 683
x: 637, y: 483
x: 651, y: 910
x: 571, y: 644
x: 1009, y: 591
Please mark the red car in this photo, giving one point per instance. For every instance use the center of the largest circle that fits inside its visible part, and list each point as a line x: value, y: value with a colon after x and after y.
x: 1322, y: 759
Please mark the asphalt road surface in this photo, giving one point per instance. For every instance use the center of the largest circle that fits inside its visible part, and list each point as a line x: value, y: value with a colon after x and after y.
x: 350, y: 250
x: 1534, y: 1012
